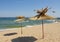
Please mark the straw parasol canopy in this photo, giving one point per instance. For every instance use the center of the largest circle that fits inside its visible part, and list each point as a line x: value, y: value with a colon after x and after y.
x: 20, y: 17
x: 42, y: 16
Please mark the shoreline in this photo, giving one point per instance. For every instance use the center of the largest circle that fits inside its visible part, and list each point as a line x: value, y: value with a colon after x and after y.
x: 25, y: 26
x: 15, y: 28
x: 8, y: 29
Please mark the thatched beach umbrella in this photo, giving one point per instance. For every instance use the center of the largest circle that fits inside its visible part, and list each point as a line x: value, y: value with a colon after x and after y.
x: 20, y: 19
x: 42, y: 16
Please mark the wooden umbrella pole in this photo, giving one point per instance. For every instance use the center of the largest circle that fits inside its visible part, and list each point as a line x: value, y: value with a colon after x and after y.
x: 42, y: 30
x: 21, y: 29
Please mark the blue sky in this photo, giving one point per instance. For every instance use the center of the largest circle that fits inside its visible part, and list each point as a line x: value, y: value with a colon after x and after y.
x: 13, y: 8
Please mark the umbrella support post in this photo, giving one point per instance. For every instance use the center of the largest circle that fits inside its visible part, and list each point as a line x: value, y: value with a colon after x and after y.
x: 21, y: 29
x: 42, y: 30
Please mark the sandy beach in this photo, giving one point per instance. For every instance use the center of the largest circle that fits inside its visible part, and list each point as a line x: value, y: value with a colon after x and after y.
x: 32, y: 34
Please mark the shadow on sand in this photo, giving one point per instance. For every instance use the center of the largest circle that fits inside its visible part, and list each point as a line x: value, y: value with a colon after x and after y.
x: 9, y: 34
x: 24, y: 39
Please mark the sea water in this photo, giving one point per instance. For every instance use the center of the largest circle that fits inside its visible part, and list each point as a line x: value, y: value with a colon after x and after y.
x: 9, y: 22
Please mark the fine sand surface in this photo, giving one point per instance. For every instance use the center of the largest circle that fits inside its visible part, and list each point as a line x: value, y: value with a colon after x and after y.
x: 32, y: 34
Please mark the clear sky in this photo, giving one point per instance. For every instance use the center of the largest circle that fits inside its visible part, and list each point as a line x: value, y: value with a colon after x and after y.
x: 12, y: 8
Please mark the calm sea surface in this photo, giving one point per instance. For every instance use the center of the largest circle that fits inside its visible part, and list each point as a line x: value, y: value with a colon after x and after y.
x: 9, y: 22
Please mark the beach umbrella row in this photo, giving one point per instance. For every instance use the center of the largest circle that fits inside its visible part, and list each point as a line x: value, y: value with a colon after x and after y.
x: 40, y: 16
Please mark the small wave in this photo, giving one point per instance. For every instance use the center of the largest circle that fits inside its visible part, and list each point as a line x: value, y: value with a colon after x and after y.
x: 29, y: 26
x: 8, y: 29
